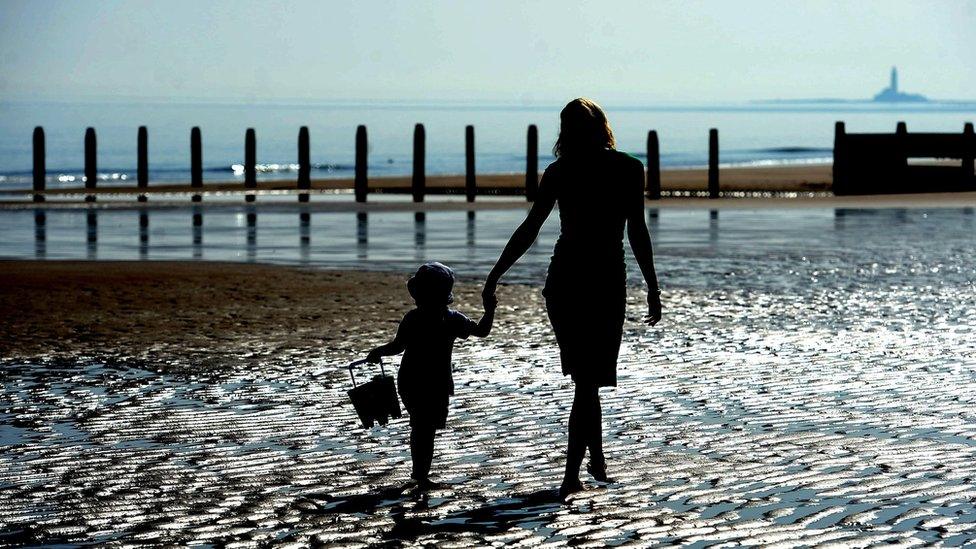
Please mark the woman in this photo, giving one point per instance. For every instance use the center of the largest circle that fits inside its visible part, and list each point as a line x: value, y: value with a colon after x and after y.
x: 599, y: 190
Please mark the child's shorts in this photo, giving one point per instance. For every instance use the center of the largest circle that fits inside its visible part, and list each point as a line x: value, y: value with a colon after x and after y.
x: 429, y: 412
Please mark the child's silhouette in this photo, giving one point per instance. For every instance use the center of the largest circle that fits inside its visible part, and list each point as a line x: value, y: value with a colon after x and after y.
x: 425, y: 337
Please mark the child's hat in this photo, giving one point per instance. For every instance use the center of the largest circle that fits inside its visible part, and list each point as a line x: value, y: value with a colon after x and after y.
x: 433, y: 282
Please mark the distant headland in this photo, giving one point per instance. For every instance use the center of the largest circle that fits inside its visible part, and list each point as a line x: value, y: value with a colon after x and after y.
x: 889, y: 95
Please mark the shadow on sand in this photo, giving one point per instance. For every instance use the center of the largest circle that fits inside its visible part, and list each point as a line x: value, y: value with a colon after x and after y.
x: 493, y: 517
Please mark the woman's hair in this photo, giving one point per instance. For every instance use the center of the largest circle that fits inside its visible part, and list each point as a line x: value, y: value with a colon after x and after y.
x: 583, y: 127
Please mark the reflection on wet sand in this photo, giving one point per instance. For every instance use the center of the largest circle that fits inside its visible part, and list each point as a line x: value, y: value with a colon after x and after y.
x: 362, y: 235
x: 713, y: 227
x: 304, y: 236
x: 420, y: 234
x: 252, y: 234
x: 92, y: 222
x: 40, y: 233
x: 470, y: 235
x: 197, y: 233
x: 652, y: 221
x: 469, y: 240
x: 470, y: 229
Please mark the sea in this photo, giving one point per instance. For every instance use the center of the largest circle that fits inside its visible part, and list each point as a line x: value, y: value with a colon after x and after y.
x: 750, y: 134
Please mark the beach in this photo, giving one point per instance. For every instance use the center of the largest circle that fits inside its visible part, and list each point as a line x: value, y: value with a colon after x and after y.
x: 194, y: 402
x: 808, y: 385
x: 211, y: 311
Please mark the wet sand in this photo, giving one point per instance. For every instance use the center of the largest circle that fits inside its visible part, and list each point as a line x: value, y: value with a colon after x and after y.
x: 173, y: 310
x: 802, y: 178
x: 815, y: 400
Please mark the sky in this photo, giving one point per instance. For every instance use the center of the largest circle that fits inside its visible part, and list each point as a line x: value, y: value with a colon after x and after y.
x: 628, y: 52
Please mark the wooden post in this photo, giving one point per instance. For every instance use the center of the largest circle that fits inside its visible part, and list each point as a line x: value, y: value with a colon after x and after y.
x: 91, y: 167
x: 840, y: 174
x: 419, y: 172
x: 250, y: 164
x: 362, y: 180
x: 969, y: 156
x: 40, y: 164
x: 196, y: 162
x: 713, y: 163
x: 532, y: 163
x: 304, y: 165
x: 653, y: 167
x: 142, y: 162
x: 900, y: 178
x: 470, y: 186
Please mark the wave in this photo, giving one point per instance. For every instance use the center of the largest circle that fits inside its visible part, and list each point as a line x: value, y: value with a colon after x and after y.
x: 793, y: 150
x: 70, y: 175
x: 238, y: 169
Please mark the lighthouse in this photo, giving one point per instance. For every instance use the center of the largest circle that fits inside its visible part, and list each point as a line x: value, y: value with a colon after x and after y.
x: 892, y: 95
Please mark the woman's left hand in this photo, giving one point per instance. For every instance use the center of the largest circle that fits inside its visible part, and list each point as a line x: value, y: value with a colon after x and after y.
x: 488, y: 292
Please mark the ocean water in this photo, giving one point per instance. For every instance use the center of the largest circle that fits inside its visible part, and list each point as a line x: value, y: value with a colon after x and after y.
x: 750, y: 134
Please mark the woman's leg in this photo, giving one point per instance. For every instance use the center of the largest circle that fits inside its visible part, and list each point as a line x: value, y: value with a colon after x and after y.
x: 595, y: 442
x: 583, y: 421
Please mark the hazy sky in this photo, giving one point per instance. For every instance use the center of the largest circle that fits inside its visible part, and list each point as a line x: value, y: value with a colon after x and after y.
x: 621, y: 51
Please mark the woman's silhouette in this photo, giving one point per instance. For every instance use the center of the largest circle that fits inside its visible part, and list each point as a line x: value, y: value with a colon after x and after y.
x: 599, y: 190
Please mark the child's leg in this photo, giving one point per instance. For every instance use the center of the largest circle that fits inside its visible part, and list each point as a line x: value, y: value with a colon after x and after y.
x: 421, y: 451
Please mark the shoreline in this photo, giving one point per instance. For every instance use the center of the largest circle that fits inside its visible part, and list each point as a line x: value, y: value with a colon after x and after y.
x: 793, y: 178
x: 442, y: 204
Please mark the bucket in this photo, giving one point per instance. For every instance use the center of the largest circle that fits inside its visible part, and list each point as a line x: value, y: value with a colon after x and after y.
x: 376, y: 400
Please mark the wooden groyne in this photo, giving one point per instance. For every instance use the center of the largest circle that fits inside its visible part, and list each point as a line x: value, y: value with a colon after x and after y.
x: 863, y: 163
x: 418, y: 188
x: 881, y: 163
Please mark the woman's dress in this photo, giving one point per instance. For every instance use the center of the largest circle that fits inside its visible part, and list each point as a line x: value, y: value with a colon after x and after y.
x: 586, y: 284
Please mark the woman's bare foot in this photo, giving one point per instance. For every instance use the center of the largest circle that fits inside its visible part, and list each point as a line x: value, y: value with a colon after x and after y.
x: 598, y: 469
x: 570, y: 486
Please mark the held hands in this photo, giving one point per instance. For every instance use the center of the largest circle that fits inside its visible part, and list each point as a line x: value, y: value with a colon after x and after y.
x: 488, y: 294
x: 490, y: 302
x: 653, y: 307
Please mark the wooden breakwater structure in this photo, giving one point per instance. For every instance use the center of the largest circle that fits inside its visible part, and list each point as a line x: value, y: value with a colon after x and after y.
x: 879, y: 163
x: 418, y: 187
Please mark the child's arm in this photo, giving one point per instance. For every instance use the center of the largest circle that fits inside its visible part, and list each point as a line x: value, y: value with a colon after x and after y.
x: 394, y: 347
x: 484, y: 326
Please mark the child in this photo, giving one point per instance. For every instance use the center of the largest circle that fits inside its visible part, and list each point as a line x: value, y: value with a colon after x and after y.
x: 425, y: 337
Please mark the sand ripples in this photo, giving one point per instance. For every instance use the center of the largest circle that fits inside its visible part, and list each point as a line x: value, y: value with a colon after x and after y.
x: 775, y: 411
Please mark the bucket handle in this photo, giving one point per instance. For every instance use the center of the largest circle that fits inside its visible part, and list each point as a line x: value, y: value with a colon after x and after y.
x: 355, y: 363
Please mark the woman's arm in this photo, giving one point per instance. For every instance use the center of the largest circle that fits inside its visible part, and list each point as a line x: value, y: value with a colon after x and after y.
x: 640, y: 243
x: 522, y: 238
